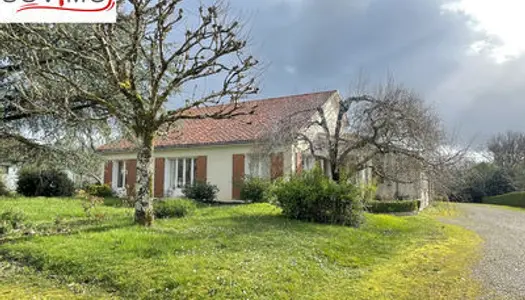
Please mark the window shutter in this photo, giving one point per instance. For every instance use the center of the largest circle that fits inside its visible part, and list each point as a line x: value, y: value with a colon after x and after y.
x: 277, y: 166
x: 298, y: 163
x: 108, y: 172
x: 131, y: 177
x: 200, y: 169
x: 158, y: 186
x: 238, y: 175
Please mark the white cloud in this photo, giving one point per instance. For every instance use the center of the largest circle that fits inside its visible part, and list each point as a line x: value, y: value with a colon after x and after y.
x: 500, y: 19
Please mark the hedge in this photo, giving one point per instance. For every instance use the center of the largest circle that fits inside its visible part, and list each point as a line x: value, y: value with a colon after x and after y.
x: 516, y: 199
x: 99, y: 190
x: 381, y: 207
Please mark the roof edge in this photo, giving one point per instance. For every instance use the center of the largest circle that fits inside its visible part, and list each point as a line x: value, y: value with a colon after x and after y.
x: 180, y: 146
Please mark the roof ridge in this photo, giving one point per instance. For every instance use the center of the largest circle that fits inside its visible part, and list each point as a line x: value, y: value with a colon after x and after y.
x: 264, y: 99
x: 288, y: 96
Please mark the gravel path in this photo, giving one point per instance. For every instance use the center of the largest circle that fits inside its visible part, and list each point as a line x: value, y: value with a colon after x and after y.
x: 502, y: 268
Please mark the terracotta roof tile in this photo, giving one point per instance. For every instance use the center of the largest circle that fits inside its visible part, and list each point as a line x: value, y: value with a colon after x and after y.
x: 239, y: 129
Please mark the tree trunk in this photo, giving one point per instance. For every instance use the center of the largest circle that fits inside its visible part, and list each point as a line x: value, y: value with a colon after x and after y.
x: 143, y: 203
x: 335, y: 172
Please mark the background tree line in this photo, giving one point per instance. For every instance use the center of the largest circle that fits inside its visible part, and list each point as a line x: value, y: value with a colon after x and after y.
x: 501, y: 171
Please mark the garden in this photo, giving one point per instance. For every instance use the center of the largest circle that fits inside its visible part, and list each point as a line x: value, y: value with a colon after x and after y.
x: 86, y: 246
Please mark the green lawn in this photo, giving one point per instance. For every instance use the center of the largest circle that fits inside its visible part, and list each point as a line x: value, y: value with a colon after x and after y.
x: 238, y: 252
x: 45, y: 210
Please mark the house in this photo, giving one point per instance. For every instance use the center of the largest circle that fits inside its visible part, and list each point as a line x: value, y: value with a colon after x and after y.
x: 9, y: 173
x: 224, y: 151
x: 219, y: 151
x: 419, y: 188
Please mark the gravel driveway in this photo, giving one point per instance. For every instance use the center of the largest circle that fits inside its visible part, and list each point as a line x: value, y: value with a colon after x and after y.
x: 502, y: 268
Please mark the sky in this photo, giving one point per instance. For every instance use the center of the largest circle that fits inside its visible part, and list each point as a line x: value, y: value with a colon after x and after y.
x: 466, y: 58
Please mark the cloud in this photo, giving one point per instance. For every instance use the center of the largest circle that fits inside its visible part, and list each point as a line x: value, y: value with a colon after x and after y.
x: 503, y: 22
x: 466, y: 57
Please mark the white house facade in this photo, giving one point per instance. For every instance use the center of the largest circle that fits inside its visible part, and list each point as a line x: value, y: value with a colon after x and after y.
x: 221, y: 152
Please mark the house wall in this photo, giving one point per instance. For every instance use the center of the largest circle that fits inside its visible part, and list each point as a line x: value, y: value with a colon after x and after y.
x: 330, y: 108
x: 11, y: 178
x: 419, y: 190
x: 219, y: 166
x: 220, y: 158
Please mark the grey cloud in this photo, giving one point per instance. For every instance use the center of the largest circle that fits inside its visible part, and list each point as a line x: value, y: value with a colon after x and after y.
x: 328, y: 42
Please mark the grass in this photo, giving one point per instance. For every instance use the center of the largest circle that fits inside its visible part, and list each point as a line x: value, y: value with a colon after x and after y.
x: 45, y: 210
x: 18, y: 282
x: 241, y: 252
x: 515, y: 199
x: 442, y: 209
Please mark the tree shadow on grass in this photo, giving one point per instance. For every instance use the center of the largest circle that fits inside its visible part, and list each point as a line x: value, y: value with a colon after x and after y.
x: 72, y: 227
x: 240, y: 226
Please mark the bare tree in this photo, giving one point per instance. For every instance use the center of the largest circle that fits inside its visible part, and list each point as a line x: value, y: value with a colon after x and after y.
x: 393, y: 128
x: 131, y: 69
x: 508, y: 150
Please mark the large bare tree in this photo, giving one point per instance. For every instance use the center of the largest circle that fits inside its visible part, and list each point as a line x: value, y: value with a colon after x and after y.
x: 508, y: 150
x: 390, y: 130
x: 131, y: 69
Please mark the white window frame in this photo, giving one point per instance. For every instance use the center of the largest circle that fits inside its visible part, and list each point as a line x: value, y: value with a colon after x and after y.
x: 115, y: 174
x: 174, y: 171
x: 257, y: 161
x: 307, y: 161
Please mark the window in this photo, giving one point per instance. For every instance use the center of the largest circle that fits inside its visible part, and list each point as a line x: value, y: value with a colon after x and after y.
x: 258, y: 166
x: 121, y: 174
x: 182, y: 172
x: 307, y: 162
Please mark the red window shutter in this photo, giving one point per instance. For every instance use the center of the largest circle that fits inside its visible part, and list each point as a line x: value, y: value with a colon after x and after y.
x: 238, y: 175
x: 158, y: 185
x: 277, y: 167
x: 131, y: 177
x: 298, y: 162
x: 200, y: 169
x: 108, y: 172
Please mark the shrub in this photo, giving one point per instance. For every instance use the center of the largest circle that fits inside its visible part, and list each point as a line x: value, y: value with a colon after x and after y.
x: 99, y: 190
x: 89, y: 202
x: 440, y: 198
x: 312, y: 196
x: 47, y: 183
x: 201, y: 191
x: 516, y: 199
x: 3, y: 188
x: 176, y: 208
x: 115, y: 202
x: 500, y: 183
x: 12, y: 219
x: 380, y: 207
x: 254, y: 189
x: 369, y: 192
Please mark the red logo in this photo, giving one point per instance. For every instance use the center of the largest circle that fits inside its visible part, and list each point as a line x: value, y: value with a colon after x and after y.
x: 105, y: 5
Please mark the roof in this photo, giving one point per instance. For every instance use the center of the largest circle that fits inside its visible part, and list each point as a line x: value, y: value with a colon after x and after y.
x: 244, y: 128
